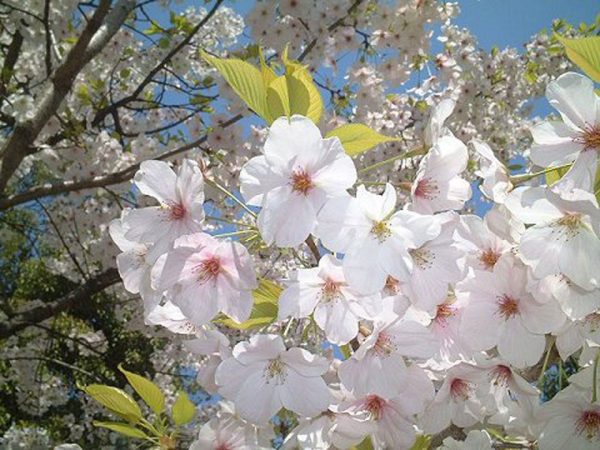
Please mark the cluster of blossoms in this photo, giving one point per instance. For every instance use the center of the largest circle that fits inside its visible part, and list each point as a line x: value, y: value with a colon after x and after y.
x: 395, y: 260
x: 442, y: 317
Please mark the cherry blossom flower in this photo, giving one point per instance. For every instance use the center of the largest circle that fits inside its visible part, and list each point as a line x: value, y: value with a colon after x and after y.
x: 378, y: 366
x: 206, y: 275
x: 459, y: 400
x: 437, y: 185
x: 496, y: 179
x: 501, y: 312
x: 375, y: 239
x: 214, y: 345
x: 476, y: 440
x: 577, y: 137
x: 323, y: 289
x: 435, y: 266
x: 298, y: 172
x: 482, y: 247
x: 570, y: 420
x: 181, y: 198
x: 262, y: 376
x: 564, y: 236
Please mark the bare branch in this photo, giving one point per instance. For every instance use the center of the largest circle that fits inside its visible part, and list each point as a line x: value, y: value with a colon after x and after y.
x: 32, y: 316
x: 99, y: 30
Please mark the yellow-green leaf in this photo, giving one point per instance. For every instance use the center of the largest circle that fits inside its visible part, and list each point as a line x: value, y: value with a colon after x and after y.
x: 116, y: 400
x: 183, y: 409
x: 585, y: 53
x: 357, y: 138
x: 554, y: 175
x: 123, y: 428
x: 245, y: 79
x: 146, y: 389
x: 364, y: 445
x: 423, y: 442
x: 264, y: 310
x: 268, y: 74
x: 278, y: 100
x: 305, y: 98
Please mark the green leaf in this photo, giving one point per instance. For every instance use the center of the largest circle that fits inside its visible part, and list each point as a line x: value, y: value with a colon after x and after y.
x: 423, y: 442
x: 364, y: 445
x: 264, y: 310
x: 146, y: 389
x: 278, y: 100
x: 183, y: 409
x: 123, y: 428
x: 554, y: 175
x: 305, y: 98
x: 357, y: 138
x: 267, y: 72
x: 584, y: 53
x: 245, y: 79
x: 116, y: 400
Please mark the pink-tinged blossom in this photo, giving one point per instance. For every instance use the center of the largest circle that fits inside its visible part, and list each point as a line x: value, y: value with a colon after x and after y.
x: 570, y: 421
x: 171, y: 317
x: 291, y: 181
x: 378, y: 366
x: 501, y: 312
x: 323, y: 292
x: 564, y: 234
x: 375, y: 239
x: 482, y: 248
x: 181, y: 198
x: 205, y: 275
x: 476, y: 440
x: 437, y: 185
x: 214, y: 347
x: 392, y: 419
x: 577, y: 334
x: 577, y: 138
x: 262, y: 376
x: 575, y: 301
x: 229, y: 432
x: 436, y: 265
x: 458, y: 401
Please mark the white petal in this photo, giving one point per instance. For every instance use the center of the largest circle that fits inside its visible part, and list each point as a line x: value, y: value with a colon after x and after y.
x: 553, y: 144
x: 156, y: 179
x: 307, y: 396
x: 519, y: 346
x: 294, y: 140
x: 256, y: 179
x: 573, y: 96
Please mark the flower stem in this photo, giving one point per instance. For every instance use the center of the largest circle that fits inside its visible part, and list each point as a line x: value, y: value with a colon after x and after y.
x: 545, y: 365
x: 516, y: 179
x: 230, y: 195
x: 415, y: 152
x: 595, y: 377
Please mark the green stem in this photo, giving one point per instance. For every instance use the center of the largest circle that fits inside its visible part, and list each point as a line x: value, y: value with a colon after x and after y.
x: 230, y: 195
x: 232, y: 222
x: 545, y: 365
x: 516, y: 179
x: 415, y: 152
x: 235, y: 233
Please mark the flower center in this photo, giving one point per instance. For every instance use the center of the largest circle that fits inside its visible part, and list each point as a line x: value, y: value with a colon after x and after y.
x: 381, y: 230
x: 223, y: 446
x: 500, y: 375
x: 175, y: 211
x: 384, y: 346
x: 590, y: 138
x: 392, y: 286
x: 374, y: 404
x: 508, y: 307
x: 443, y: 313
x: 422, y: 257
x: 568, y: 225
x: 592, y: 321
x: 426, y: 189
x: 276, y: 370
x: 330, y: 291
x: 489, y: 258
x: 460, y: 389
x: 589, y: 424
x: 302, y: 182
x: 208, y: 269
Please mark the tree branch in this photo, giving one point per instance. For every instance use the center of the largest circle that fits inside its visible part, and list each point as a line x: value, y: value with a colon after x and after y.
x: 32, y: 316
x: 99, y: 30
x: 102, y: 113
